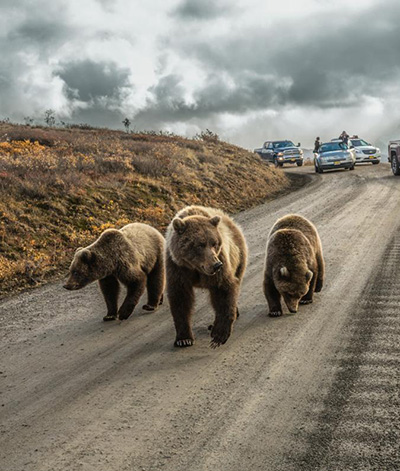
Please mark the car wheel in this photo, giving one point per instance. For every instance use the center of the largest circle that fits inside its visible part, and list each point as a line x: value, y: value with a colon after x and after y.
x: 352, y: 167
x: 395, y: 166
x: 299, y: 164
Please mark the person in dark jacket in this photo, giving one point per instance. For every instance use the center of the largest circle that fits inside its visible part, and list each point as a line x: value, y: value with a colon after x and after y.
x: 344, y: 137
x: 317, y: 145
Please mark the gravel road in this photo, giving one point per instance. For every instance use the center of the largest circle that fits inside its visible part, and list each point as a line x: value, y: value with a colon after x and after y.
x: 317, y: 390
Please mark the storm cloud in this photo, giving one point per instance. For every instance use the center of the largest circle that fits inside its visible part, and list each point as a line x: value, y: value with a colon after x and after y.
x: 201, y: 9
x: 248, y: 70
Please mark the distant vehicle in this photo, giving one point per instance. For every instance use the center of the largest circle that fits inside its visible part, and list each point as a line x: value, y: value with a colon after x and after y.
x: 280, y: 153
x: 334, y: 154
x: 365, y: 152
x: 394, y: 156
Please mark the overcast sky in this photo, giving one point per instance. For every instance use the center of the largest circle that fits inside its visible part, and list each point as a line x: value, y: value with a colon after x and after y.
x: 250, y: 70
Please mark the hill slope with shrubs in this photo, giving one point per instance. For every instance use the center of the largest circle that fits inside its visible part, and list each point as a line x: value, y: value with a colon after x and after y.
x: 60, y: 188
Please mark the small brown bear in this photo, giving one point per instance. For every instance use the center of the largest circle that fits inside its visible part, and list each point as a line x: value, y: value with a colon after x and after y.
x: 134, y: 256
x: 294, y: 267
x: 205, y: 249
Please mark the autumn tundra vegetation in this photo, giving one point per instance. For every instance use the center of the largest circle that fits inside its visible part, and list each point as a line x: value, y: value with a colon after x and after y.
x: 60, y: 188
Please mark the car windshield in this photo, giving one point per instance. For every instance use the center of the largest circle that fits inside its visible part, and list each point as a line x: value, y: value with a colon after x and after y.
x: 282, y: 144
x: 332, y: 146
x: 359, y: 142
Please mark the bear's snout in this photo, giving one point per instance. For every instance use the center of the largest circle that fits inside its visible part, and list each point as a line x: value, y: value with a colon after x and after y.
x: 217, y: 266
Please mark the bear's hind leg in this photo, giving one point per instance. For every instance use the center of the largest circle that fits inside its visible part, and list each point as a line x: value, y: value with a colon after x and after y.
x: 110, y: 289
x: 135, y: 290
x: 321, y: 273
x: 273, y: 298
x: 155, y: 286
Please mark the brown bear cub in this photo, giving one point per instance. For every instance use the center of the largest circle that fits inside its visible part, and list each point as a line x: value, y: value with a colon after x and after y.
x: 294, y: 267
x: 134, y: 256
x: 205, y: 249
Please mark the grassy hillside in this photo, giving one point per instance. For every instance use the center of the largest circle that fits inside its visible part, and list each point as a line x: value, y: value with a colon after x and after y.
x: 60, y: 188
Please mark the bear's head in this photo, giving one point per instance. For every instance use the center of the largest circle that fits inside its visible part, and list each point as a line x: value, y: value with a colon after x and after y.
x: 85, y: 268
x: 293, y: 283
x: 197, y: 243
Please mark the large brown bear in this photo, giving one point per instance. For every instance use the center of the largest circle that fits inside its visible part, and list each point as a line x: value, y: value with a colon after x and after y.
x: 134, y: 256
x: 294, y: 267
x: 205, y: 249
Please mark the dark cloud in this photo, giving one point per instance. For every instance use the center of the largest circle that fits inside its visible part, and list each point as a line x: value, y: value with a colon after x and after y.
x: 320, y: 63
x: 87, y: 80
x: 41, y: 32
x: 201, y: 9
x: 250, y: 91
x: 335, y: 62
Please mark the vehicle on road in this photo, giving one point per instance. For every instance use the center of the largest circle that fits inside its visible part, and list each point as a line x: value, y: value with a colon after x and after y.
x: 365, y: 152
x: 333, y: 155
x: 394, y: 156
x: 280, y: 153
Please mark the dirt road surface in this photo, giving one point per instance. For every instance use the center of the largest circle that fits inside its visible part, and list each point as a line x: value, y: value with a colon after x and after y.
x: 318, y: 390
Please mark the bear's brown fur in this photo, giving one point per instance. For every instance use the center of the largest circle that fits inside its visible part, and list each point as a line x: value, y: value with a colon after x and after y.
x: 205, y: 249
x: 134, y: 256
x: 294, y: 267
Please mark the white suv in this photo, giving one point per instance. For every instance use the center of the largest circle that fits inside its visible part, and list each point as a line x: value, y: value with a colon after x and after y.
x: 365, y: 152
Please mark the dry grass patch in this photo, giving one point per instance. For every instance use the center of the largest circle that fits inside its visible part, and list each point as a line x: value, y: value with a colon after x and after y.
x: 61, y: 193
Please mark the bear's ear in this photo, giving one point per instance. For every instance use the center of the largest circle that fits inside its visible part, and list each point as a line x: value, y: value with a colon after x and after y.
x: 284, y: 272
x: 87, y: 256
x: 215, y: 220
x: 179, y: 225
x: 309, y: 275
x: 78, y: 249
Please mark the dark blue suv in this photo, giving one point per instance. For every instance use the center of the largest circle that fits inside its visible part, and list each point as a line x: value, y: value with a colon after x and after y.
x: 281, y: 152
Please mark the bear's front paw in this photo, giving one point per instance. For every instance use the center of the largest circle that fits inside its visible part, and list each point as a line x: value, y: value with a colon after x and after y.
x: 306, y: 301
x: 275, y: 314
x: 123, y: 315
x: 181, y: 343
x: 219, y: 335
x: 109, y: 317
x: 147, y: 307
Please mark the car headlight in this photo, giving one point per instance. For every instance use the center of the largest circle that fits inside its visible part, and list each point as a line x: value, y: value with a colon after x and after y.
x: 280, y: 154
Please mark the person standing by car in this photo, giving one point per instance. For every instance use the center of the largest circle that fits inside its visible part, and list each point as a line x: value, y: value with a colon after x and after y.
x: 344, y: 137
x: 317, y: 145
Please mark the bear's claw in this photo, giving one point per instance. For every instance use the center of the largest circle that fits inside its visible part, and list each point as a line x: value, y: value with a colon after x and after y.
x: 184, y: 343
x: 219, y: 336
x: 275, y: 314
x: 147, y: 307
x: 305, y: 301
x: 108, y: 318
